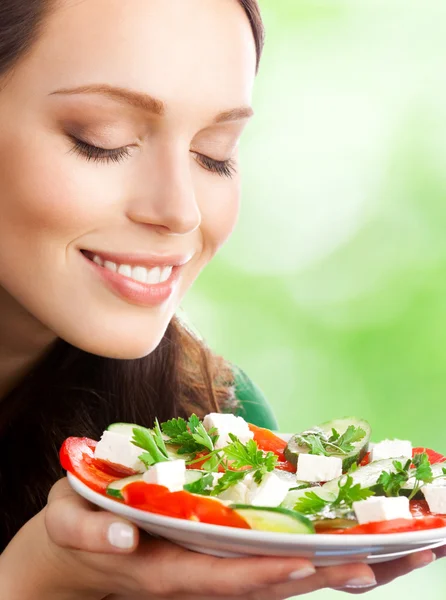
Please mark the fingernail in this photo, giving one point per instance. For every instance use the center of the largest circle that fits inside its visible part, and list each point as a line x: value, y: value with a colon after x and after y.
x: 426, y: 560
x: 302, y: 573
x: 360, y: 583
x: 121, y: 535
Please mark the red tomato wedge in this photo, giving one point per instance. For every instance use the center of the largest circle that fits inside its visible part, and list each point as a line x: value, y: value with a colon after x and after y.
x: 182, y: 505
x: 270, y: 442
x: 434, y: 457
x: 396, y: 526
x: 77, y: 457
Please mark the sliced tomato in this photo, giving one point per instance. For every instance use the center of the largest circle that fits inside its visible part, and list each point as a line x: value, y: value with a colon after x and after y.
x: 365, y: 461
x: 182, y: 505
x: 199, y: 464
x: 419, y: 509
x: 270, y: 442
x: 396, y: 526
x: 77, y: 457
x: 434, y: 457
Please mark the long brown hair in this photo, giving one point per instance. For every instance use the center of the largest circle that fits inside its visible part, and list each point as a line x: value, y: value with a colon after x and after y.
x: 71, y: 392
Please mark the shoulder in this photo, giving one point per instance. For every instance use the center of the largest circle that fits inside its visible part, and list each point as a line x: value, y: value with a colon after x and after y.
x: 251, y: 403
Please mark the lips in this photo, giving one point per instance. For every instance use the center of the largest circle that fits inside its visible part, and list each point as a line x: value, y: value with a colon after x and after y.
x: 146, y: 280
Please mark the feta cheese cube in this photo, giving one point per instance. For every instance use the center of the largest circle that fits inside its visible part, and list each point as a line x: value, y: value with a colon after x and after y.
x: 271, y: 491
x: 118, y: 448
x: 236, y: 494
x: 379, y: 508
x: 312, y: 467
x: 391, y: 449
x: 170, y: 473
x: 226, y: 424
x: 436, y: 498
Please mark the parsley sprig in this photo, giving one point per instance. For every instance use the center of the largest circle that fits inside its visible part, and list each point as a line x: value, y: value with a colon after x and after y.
x: 391, y: 483
x: 191, y: 439
x: 319, y: 442
x: 152, y: 442
x: 348, y: 492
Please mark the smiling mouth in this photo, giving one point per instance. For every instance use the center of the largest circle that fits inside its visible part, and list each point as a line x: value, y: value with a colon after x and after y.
x: 149, y: 275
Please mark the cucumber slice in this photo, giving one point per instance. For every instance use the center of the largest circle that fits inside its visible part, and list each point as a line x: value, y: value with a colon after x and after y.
x: 275, y: 519
x: 330, y: 524
x: 366, y: 476
x: 294, y: 447
x: 124, y: 428
x: 114, y: 488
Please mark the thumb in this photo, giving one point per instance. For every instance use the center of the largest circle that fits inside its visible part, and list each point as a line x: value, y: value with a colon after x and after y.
x: 73, y: 523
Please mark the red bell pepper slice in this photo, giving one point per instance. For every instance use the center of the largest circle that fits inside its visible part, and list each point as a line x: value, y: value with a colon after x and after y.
x: 77, y: 457
x: 434, y: 457
x: 270, y: 442
x: 396, y: 526
x: 183, y: 505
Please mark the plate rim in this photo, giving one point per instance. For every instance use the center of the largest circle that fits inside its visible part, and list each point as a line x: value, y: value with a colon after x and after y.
x: 320, y: 540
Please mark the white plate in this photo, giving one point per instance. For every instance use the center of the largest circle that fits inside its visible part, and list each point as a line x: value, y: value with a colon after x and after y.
x: 228, y: 541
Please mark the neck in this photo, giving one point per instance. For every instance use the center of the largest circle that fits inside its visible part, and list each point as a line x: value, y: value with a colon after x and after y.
x: 23, y: 341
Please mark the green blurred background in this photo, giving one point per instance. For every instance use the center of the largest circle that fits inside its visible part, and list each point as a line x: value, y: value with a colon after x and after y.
x: 331, y: 293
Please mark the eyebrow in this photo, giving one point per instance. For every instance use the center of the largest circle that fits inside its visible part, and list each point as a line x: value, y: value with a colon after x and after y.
x: 148, y: 103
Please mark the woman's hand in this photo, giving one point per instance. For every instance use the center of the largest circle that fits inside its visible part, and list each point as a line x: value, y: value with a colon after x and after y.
x: 71, y: 550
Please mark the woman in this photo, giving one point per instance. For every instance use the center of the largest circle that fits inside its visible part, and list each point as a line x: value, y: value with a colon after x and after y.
x: 119, y: 126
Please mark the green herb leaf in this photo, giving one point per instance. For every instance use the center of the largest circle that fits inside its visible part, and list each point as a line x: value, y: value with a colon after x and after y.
x: 190, y: 436
x: 229, y: 479
x: 201, y: 486
x: 174, y: 427
x: 350, y: 436
x: 423, y: 468
x: 349, y: 493
x: 392, y: 483
x: 148, y: 441
x: 311, y: 504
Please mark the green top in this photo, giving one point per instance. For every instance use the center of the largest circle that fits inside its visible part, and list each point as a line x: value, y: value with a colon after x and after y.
x: 253, y: 406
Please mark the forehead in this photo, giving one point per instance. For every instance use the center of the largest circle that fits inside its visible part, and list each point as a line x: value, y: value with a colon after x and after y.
x: 185, y: 52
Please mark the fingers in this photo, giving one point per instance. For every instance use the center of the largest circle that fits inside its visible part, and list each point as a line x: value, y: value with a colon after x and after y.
x: 337, y: 577
x: 391, y: 570
x: 165, y: 569
x: 72, y: 523
x: 259, y: 578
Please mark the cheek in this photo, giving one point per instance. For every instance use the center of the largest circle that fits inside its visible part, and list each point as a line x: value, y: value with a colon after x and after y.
x: 219, y: 212
x: 47, y: 196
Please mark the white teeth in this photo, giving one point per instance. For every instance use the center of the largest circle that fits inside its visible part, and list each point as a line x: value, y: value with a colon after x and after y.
x: 165, y: 274
x: 125, y: 270
x: 154, y: 275
x: 111, y: 266
x: 139, y: 274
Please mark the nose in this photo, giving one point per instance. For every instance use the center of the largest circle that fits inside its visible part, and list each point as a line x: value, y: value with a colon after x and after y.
x: 166, y: 198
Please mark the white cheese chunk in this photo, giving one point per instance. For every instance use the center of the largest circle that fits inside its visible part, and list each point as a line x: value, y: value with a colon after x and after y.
x: 379, y: 508
x: 391, y: 449
x: 315, y: 468
x: 270, y: 492
x: 118, y: 448
x: 236, y: 494
x: 436, y: 498
x: 170, y: 473
x: 226, y: 424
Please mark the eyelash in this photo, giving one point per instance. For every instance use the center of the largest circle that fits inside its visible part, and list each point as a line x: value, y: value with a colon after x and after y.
x: 224, y: 168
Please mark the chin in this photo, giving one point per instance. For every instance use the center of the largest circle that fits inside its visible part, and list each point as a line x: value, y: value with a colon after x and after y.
x: 119, y: 343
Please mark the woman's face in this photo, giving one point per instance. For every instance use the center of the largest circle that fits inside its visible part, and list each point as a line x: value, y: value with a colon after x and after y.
x: 118, y: 161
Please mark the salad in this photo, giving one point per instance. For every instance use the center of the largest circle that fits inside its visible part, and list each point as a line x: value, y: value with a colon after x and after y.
x: 224, y: 471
